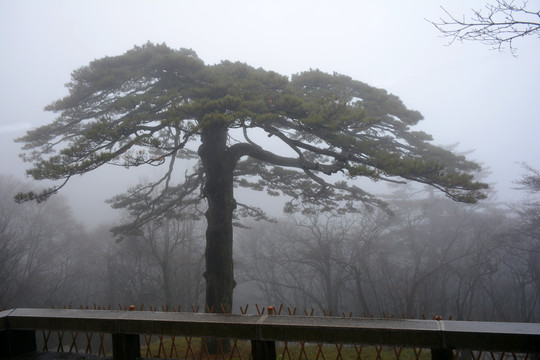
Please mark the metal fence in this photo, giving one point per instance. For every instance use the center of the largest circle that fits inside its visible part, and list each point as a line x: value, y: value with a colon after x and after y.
x: 288, y: 333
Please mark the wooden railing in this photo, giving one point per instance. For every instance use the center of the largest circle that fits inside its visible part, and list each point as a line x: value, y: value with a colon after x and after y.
x: 18, y: 327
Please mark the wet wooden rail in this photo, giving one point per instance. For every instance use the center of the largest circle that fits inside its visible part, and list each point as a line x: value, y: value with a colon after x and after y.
x: 18, y: 327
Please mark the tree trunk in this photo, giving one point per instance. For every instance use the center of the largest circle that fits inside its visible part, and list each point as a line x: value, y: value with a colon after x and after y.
x: 167, y: 283
x: 361, y: 298
x: 218, y: 191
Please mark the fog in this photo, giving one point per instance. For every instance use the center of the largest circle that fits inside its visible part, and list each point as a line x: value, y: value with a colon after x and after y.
x: 484, y: 100
x: 434, y: 256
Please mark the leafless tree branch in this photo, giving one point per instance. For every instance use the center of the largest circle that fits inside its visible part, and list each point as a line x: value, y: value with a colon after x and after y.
x: 496, y: 25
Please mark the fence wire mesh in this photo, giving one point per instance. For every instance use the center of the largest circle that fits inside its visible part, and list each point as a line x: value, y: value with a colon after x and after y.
x: 186, y: 347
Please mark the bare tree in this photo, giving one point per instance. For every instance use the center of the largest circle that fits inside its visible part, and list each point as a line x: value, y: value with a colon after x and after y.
x: 496, y: 25
x: 530, y: 181
x: 319, y: 260
x: 161, y: 265
x: 522, y: 248
x: 415, y: 255
x: 434, y: 256
x: 131, y: 272
x: 173, y: 245
x: 39, y: 250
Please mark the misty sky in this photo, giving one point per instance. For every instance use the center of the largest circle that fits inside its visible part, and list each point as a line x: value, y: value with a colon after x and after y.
x: 485, y: 100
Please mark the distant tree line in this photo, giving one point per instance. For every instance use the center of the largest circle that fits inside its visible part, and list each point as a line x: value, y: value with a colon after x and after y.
x: 48, y: 259
x: 432, y: 256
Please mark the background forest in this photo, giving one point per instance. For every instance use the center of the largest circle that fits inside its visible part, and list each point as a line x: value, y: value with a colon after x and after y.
x: 432, y: 256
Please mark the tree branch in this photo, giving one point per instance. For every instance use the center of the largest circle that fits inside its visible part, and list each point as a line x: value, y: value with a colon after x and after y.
x: 501, y: 25
x: 236, y: 151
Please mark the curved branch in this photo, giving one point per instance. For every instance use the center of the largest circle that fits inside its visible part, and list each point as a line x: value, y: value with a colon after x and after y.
x: 242, y: 149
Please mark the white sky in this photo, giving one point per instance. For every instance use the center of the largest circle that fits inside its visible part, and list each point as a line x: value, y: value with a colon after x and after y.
x: 484, y: 100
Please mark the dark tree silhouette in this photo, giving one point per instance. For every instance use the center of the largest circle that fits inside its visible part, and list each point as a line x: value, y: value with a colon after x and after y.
x: 246, y: 127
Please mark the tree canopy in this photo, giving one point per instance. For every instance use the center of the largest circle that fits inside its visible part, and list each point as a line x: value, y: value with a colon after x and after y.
x: 307, y: 137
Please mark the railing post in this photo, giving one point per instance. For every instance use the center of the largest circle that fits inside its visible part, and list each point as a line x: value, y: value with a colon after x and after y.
x: 442, y: 354
x: 16, y: 342
x: 126, y: 346
x: 264, y: 350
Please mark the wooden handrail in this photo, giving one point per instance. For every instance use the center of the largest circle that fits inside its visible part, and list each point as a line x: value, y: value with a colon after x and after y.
x: 439, y: 335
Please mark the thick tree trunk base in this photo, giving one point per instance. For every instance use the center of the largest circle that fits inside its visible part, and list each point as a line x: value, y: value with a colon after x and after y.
x: 218, y: 190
